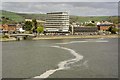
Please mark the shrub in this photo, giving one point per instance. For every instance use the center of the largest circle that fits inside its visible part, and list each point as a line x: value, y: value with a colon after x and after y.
x: 5, y: 36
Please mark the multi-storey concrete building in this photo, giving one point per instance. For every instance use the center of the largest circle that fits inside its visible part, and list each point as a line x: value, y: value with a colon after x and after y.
x: 57, y: 22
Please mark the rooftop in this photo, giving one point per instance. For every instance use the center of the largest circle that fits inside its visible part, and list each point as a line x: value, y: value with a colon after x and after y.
x: 57, y: 12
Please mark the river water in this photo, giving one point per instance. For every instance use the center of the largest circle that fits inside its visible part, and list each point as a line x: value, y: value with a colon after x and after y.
x: 67, y: 58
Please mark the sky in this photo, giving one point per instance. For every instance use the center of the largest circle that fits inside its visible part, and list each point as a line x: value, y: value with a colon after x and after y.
x: 76, y: 7
x: 60, y: 0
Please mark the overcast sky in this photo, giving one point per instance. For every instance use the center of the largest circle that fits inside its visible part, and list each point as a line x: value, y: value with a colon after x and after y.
x: 74, y: 8
x: 60, y: 0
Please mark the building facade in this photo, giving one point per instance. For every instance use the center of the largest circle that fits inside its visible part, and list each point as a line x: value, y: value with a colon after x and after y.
x: 8, y: 27
x: 57, y: 22
x: 85, y: 30
x: 103, y: 26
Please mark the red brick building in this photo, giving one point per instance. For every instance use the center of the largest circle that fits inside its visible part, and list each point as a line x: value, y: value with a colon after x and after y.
x: 8, y: 27
x: 104, y: 27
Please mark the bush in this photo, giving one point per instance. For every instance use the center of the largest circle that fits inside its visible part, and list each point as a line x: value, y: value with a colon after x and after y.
x: 5, y: 36
x: 40, y: 29
x: 113, y: 30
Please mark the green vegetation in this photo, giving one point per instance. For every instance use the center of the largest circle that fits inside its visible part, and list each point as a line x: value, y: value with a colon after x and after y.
x: 28, y: 26
x: 40, y: 29
x: 33, y: 27
x: 5, y: 36
x: 33, y: 16
x: 113, y: 30
x: 13, y: 17
x: 82, y: 19
x: 34, y: 22
x: 20, y: 17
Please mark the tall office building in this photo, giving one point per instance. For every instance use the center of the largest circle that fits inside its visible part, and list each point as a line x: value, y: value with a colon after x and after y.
x: 57, y: 22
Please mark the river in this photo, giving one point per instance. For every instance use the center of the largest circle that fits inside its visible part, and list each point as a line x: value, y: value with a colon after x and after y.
x: 64, y: 58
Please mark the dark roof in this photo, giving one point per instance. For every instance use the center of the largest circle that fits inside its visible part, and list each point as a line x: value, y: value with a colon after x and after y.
x: 11, y: 24
x: 104, y: 24
x: 56, y: 12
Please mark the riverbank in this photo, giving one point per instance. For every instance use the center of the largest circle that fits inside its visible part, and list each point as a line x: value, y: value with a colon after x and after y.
x: 7, y: 39
x: 75, y: 36
x: 64, y: 37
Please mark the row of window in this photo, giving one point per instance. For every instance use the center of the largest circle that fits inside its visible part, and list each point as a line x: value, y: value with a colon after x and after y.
x: 56, y: 26
x: 57, y: 13
x: 57, y: 19
x: 57, y: 23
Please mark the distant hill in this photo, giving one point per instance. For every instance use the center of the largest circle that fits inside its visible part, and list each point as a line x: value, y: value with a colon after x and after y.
x: 80, y: 19
x: 12, y: 16
x: 20, y: 17
x: 33, y: 16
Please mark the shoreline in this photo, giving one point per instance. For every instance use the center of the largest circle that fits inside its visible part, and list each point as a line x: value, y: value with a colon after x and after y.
x: 76, y: 36
x: 65, y: 37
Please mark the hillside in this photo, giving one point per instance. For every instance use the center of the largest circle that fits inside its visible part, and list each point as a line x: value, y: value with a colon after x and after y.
x: 12, y: 16
x: 19, y: 17
x: 33, y: 16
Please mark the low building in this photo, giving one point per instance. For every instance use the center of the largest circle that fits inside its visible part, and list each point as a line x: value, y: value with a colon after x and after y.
x: 103, y: 26
x: 86, y: 30
x: 8, y: 27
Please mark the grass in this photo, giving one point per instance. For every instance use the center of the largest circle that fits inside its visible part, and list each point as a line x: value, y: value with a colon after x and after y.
x: 12, y: 16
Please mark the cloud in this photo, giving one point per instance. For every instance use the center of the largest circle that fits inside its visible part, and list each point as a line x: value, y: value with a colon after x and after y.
x: 74, y: 8
x: 60, y: 0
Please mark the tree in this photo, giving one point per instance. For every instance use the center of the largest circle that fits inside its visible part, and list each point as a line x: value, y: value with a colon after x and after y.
x: 40, y: 29
x: 113, y: 30
x: 34, y: 24
x: 110, y: 29
x: 28, y: 26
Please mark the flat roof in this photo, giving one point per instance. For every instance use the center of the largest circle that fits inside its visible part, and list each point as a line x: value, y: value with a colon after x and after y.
x: 104, y: 24
x: 56, y: 12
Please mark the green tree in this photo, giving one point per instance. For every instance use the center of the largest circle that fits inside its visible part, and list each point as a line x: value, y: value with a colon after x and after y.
x: 110, y: 29
x: 113, y: 30
x: 40, y: 29
x: 28, y: 26
x: 34, y: 24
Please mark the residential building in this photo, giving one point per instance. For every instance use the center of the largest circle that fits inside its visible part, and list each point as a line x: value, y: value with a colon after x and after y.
x: 9, y: 27
x: 103, y: 26
x: 57, y: 22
